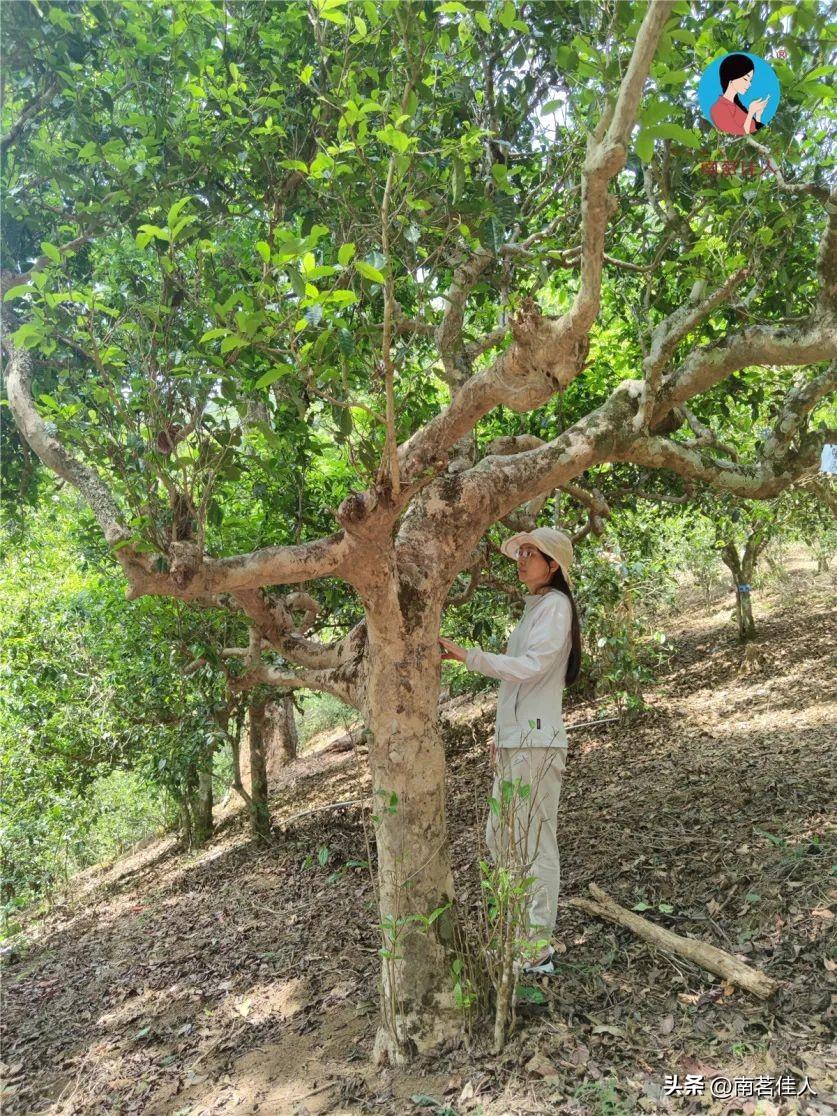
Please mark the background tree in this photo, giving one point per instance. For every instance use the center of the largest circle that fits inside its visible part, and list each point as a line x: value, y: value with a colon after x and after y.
x: 93, y: 686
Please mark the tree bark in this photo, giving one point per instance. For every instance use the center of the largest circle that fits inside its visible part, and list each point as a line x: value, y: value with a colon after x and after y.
x: 185, y: 815
x: 746, y: 623
x: 743, y: 569
x: 406, y: 755
x: 281, y: 736
x: 741, y: 580
x: 258, y: 803
x: 200, y: 802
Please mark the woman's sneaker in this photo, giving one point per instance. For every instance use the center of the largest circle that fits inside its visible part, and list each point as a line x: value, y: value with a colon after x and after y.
x: 544, y: 967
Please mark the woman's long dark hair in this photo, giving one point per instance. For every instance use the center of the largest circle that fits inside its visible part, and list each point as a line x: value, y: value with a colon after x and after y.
x: 559, y: 582
x: 736, y: 66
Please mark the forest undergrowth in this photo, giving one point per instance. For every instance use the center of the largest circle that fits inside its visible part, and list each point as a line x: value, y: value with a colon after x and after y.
x: 243, y: 979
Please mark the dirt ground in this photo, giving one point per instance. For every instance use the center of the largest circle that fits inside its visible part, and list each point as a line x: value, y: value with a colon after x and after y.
x: 240, y: 979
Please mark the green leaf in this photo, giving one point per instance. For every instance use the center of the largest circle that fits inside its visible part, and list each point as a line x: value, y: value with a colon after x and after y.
x: 263, y: 248
x: 296, y: 280
x: 491, y: 234
x: 345, y: 253
x: 181, y: 225
x: 394, y: 138
x: 320, y: 164
x: 508, y: 14
x: 272, y: 376
x: 482, y: 21
x: 51, y: 251
x: 212, y: 334
x: 28, y: 336
x: 233, y: 342
x: 820, y: 71
x: 530, y: 995
x: 500, y: 174
x: 17, y: 292
x: 818, y: 90
x: 174, y: 212
x: 434, y: 915
x: 341, y: 297
x: 152, y: 231
x: 675, y: 132
x: 270, y: 436
x: 655, y: 112
x: 644, y: 145
x: 369, y: 272
x: 674, y: 77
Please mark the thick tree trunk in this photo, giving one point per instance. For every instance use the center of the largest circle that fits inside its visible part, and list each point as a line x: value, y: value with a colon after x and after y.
x: 185, y: 815
x: 406, y: 755
x: 201, y: 802
x: 281, y: 736
x: 258, y: 804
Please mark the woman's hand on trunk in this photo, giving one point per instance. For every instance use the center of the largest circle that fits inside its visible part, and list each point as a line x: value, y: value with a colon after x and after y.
x: 451, y: 650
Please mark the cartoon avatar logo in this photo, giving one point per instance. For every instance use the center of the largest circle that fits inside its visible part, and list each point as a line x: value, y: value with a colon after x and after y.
x: 739, y: 94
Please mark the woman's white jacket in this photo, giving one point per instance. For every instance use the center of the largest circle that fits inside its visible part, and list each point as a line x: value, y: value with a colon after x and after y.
x: 531, y: 673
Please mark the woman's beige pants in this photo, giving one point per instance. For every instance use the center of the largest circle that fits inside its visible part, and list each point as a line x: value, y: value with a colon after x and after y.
x: 535, y: 820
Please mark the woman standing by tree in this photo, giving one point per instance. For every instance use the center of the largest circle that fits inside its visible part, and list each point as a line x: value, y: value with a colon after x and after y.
x: 530, y: 742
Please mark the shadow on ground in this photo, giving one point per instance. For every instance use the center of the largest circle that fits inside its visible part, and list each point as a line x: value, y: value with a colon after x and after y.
x: 242, y: 978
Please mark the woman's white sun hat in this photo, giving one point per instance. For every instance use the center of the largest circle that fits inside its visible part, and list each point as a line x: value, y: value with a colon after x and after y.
x: 557, y: 544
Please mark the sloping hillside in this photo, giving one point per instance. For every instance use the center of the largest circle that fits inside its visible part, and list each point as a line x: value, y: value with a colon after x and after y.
x: 240, y: 979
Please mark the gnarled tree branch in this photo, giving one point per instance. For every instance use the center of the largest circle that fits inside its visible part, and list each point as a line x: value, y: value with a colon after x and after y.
x: 41, y: 439
x: 668, y: 335
x: 761, y: 481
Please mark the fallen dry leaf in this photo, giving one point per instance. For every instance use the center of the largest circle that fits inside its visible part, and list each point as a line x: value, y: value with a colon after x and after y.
x: 467, y: 1093
x: 540, y: 1066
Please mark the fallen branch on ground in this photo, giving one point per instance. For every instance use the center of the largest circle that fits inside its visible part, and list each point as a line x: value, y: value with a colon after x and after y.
x: 589, y: 724
x: 709, y: 957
